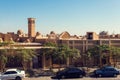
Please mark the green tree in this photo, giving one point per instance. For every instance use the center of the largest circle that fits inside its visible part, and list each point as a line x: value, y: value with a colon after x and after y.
x: 108, y: 53
x: 58, y: 53
x: 98, y: 52
x: 3, y: 54
x: 3, y: 59
x: 72, y: 54
x: 64, y: 53
x: 48, y: 52
x: 115, y: 53
x: 26, y: 56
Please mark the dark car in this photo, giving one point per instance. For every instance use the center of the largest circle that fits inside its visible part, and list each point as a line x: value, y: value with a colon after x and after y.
x: 107, y: 71
x: 69, y: 73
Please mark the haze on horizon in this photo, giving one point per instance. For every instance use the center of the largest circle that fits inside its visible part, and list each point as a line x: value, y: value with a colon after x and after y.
x: 75, y: 16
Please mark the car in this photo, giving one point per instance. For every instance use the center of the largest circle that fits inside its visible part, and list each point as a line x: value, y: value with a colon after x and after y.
x: 71, y: 72
x: 107, y: 71
x: 15, y: 74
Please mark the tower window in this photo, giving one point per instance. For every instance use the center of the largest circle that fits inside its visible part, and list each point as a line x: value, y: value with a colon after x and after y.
x: 29, y: 22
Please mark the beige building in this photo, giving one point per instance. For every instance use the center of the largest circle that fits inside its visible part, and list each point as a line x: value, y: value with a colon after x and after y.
x: 35, y: 40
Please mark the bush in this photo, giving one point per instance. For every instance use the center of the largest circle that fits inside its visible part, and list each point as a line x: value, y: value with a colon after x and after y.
x: 30, y: 73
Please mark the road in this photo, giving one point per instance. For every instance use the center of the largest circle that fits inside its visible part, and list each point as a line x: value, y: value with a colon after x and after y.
x: 85, y: 78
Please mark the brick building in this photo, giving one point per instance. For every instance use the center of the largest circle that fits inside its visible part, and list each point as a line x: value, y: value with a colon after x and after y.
x: 35, y: 40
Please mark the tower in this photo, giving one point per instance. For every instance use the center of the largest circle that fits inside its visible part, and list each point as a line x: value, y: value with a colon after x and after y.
x: 31, y: 27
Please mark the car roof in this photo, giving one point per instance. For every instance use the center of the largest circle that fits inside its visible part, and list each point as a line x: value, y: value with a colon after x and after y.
x: 108, y: 67
x: 14, y: 69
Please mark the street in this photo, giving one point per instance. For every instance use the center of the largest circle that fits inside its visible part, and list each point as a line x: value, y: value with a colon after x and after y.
x: 84, y: 78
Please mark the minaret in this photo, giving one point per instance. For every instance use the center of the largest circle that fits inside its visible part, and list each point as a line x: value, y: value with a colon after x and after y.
x: 31, y: 27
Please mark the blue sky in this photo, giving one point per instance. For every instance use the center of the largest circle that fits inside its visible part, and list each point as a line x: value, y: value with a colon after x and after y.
x: 75, y: 16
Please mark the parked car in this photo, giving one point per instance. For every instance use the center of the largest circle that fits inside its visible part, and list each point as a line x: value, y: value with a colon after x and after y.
x: 71, y: 72
x: 107, y: 71
x: 12, y: 74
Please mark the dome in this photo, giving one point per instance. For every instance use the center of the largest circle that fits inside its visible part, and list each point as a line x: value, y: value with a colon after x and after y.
x: 52, y: 32
x: 38, y: 33
x: 19, y: 32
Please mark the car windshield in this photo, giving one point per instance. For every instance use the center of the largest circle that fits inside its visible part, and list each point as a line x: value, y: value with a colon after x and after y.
x: 18, y: 70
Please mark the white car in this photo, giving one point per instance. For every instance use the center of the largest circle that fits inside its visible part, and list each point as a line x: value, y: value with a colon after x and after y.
x: 12, y: 74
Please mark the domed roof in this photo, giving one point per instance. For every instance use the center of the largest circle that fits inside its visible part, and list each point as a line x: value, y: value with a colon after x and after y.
x: 52, y: 32
x: 38, y: 33
x: 19, y: 32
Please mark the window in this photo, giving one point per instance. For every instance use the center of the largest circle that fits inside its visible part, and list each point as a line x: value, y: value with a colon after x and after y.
x: 90, y: 35
x: 7, y: 73
x: 29, y: 22
x: 11, y: 72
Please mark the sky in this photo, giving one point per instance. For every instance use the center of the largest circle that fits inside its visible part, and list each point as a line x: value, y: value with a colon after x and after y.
x: 74, y: 16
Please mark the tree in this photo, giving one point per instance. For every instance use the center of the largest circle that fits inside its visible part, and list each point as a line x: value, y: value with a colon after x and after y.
x: 104, y: 54
x: 26, y: 56
x: 73, y: 54
x: 3, y: 54
x: 64, y: 53
x: 58, y: 53
x: 48, y: 52
x: 23, y: 55
x: 115, y: 53
x: 3, y: 59
x: 98, y: 52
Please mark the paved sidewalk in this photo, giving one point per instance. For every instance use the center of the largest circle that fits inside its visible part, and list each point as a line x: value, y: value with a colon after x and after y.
x: 84, y: 78
x: 38, y: 78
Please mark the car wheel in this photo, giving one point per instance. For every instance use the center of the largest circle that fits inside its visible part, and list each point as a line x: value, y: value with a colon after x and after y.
x: 18, y: 78
x: 80, y: 75
x: 115, y: 75
x: 62, y: 76
x: 99, y: 75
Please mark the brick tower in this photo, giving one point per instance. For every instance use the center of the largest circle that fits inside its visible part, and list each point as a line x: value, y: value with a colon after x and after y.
x: 31, y: 27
